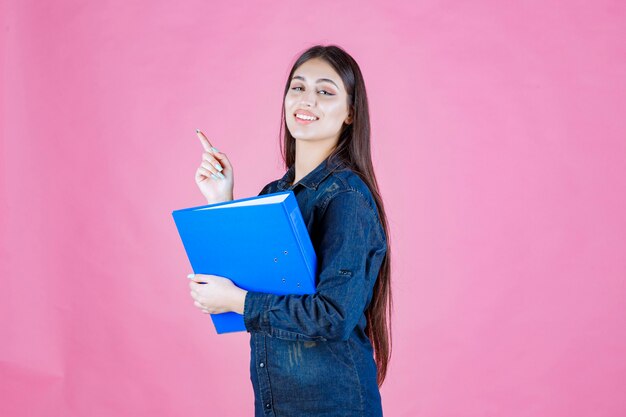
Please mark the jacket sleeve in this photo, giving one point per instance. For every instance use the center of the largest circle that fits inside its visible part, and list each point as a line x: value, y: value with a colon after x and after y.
x: 350, y: 251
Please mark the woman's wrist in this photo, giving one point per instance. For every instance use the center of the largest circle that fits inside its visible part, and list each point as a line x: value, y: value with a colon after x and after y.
x: 220, y: 200
x: 239, y: 300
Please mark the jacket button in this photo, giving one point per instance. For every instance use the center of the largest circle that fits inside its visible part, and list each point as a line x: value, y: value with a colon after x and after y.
x: 268, y: 405
x: 261, y: 364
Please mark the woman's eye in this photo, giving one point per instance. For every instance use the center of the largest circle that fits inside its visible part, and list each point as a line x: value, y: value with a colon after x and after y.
x: 326, y: 92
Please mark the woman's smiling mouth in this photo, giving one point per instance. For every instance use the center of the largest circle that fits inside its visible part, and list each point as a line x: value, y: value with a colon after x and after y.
x: 305, y: 117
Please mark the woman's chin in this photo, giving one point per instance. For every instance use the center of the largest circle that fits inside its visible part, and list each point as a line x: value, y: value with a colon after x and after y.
x: 306, y: 138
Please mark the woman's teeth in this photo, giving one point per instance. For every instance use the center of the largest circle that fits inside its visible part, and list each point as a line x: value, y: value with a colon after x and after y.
x: 303, y: 117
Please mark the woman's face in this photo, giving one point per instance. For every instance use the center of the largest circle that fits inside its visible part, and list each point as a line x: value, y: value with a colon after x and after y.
x: 316, y: 89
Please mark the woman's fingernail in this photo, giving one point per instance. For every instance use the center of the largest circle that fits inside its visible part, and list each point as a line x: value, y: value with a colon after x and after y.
x: 197, y: 130
x: 190, y: 276
x: 215, y: 177
x: 218, y: 166
x: 219, y: 174
x: 214, y: 149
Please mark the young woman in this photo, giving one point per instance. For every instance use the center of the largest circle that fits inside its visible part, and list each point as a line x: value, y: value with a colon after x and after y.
x: 324, y: 353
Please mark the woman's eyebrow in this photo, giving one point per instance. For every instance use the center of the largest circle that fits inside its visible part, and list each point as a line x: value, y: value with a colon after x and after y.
x: 319, y: 80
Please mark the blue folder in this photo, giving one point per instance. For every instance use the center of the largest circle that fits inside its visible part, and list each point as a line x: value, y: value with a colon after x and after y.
x: 260, y: 243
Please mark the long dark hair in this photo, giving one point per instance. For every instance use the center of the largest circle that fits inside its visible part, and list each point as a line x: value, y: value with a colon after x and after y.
x: 353, y: 148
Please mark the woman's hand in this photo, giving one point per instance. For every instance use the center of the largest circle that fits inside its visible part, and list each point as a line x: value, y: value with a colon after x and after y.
x: 218, y: 295
x: 214, y: 176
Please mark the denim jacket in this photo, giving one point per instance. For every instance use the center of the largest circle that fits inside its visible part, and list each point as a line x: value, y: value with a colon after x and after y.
x: 310, y: 355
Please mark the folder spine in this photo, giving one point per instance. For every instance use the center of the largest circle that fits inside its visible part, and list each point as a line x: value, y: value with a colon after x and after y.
x: 301, y: 233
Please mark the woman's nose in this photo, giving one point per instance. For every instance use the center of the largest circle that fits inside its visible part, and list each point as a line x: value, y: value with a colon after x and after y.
x: 308, y: 98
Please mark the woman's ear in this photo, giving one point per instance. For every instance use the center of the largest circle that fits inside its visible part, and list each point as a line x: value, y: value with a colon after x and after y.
x: 349, y: 118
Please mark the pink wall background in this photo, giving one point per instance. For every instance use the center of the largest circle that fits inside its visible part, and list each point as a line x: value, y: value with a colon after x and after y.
x: 498, y: 138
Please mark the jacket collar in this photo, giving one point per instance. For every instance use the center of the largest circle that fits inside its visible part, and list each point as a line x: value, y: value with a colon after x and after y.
x: 313, y: 178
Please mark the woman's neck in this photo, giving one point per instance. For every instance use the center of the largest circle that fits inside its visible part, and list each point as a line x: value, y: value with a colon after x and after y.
x: 309, y: 154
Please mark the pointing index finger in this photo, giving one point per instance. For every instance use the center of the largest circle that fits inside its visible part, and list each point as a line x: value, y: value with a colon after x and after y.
x: 205, y: 141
